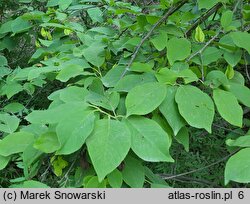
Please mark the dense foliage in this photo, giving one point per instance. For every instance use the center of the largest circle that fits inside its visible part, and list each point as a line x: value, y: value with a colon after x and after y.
x: 105, y: 93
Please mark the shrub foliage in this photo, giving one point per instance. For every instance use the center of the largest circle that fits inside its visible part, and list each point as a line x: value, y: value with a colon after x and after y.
x: 93, y: 92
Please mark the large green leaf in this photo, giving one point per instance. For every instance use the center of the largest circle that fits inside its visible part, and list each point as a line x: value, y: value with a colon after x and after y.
x: 242, y: 93
x: 8, y: 123
x: 15, y: 143
x: 149, y: 141
x: 94, y: 54
x: 133, y: 173
x: 170, y: 110
x: 145, y: 98
x: 242, y: 40
x: 196, y: 107
x: 72, y: 94
x: 178, y: 49
x: 237, y: 167
x: 228, y: 107
x: 108, y: 145
x: 73, y: 133
x: 57, y: 114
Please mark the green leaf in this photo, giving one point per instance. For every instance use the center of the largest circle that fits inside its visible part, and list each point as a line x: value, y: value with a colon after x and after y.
x: 216, y: 79
x: 183, y: 138
x: 207, y: 4
x: 94, y: 54
x: 11, y: 88
x: 242, y: 40
x: 4, y: 161
x: 57, y: 114
x: 178, y: 49
x: 8, y: 123
x: 108, y: 145
x: 14, y: 107
x: 242, y: 93
x: 154, y: 178
x: 30, y: 184
x: 115, y: 179
x: 237, y: 167
x: 108, y: 101
x: 73, y: 94
x: 167, y: 76
x: 69, y: 71
x: 95, y: 14
x: 133, y: 173
x: 20, y: 25
x: 226, y: 19
x: 30, y: 155
x: 52, y: 3
x: 94, y: 183
x: 233, y: 58
x: 130, y: 81
x: 3, y: 61
x: 15, y: 143
x: 228, y: 107
x: 149, y: 141
x: 196, y: 107
x: 170, y: 110
x: 6, y: 27
x: 113, y: 76
x: 210, y: 55
x: 47, y: 142
x: 243, y: 141
x: 73, y: 133
x: 141, y: 67
x: 139, y: 102
x: 160, y: 41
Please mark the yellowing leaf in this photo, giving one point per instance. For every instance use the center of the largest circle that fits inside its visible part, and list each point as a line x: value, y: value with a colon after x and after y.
x: 199, y: 35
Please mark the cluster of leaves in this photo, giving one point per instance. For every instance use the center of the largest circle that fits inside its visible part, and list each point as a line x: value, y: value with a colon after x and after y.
x: 127, y: 81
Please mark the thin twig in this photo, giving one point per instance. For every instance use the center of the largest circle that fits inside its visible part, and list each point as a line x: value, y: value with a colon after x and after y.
x: 204, y: 47
x: 163, y: 19
x: 188, y: 179
x: 200, y: 169
x: 204, y: 17
x: 227, y: 129
x: 213, y: 38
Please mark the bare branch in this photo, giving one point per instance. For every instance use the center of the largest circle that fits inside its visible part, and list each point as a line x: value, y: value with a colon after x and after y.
x: 200, y: 169
x: 204, y: 17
